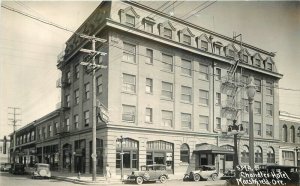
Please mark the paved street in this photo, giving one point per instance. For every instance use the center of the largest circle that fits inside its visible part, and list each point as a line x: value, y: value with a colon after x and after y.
x: 25, y: 180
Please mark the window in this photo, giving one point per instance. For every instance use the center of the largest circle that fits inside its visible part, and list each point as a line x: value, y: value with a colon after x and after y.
x: 186, y: 67
x: 186, y: 121
x: 246, y: 127
x: 203, y: 122
x: 204, y: 45
x: 67, y: 123
x: 87, y: 91
x: 76, y: 93
x: 257, y: 107
x: 245, y: 79
x: 99, y: 82
x: 76, y: 74
x: 257, y: 82
x: 218, y: 98
x: 40, y: 134
x: 32, y: 135
x: 269, y: 130
x: 218, y: 74
x: 269, y: 108
x: 130, y: 20
x: 269, y: 88
x: 149, y: 56
x: 149, y: 85
x: 50, y: 130
x: 128, y: 114
x: 284, y: 133
x: 292, y: 132
x: 167, y: 90
x: 167, y: 33
x: 148, y: 27
x: 269, y: 66
x: 245, y: 58
x: 186, y: 94
x: 257, y: 129
x: 185, y: 153
x: 67, y: 101
x: 128, y: 83
x: 167, y: 118
x: 148, y: 118
x: 258, y: 155
x: 257, y: 62
x: 167, y: 62
x: 68, y: 77
x: 245, y: 154
x: 218, y: 123
x: 203, y: 97
x: 44, y: 134
x: 218, y: 50
x: 76, y: 124
x: 187, y: 39
x: 270, y: 155
x: 231, y: 53
x: 203, y: 72
x: 86, y: 118
x: 129, y: 52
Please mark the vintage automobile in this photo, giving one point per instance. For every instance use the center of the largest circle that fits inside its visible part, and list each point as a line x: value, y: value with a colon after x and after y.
x: 41, y: 170
x: 205, y: 172
x: 229, y: 174
x: 5, y: 167
x: 149, y: 173
x: 17, y: 168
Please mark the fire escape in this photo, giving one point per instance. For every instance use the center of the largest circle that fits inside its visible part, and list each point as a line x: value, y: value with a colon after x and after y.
x: 232, y: 87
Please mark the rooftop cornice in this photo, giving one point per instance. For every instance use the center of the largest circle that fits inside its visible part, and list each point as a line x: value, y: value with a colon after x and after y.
x: 198, y: 27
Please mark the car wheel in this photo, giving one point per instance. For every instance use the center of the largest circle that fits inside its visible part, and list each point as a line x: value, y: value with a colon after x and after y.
x: 163, y: 179
x: 214, y: 177
x: 197, y: 177
x: 139, y: 180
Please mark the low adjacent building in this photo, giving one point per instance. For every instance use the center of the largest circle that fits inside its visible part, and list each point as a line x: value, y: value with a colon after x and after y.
x: 289, y: 150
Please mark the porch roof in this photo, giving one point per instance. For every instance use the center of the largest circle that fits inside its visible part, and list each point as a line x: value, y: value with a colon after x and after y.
x: 213, y: 149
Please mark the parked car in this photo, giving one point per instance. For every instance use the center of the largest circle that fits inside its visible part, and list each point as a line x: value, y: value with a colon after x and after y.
x: 41, y: 170
x: 147, y: 173
x: 17, y: 168
x: 205, y: 172
x: 228, y: 175
x: 5, y: 167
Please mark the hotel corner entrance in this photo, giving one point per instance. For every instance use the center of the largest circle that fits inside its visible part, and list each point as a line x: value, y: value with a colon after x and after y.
x: 206, y: 154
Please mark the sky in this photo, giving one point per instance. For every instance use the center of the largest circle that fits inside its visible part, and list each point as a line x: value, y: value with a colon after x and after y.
x: 29, y: 49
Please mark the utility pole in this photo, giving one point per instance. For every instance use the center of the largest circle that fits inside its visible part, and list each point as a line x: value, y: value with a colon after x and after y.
x: 14, y: 121
x: 93, y: 53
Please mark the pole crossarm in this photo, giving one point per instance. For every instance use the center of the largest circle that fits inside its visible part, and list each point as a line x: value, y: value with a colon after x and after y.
x: 93, y: 38
x: 92, y: 52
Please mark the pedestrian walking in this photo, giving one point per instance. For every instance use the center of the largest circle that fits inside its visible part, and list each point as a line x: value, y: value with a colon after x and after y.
x: 107, y: 173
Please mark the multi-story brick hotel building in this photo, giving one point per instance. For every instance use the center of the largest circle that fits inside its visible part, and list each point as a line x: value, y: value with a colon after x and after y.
x: 165, y: 89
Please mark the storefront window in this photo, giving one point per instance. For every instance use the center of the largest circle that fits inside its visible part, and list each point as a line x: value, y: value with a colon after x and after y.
x: 130, y: 156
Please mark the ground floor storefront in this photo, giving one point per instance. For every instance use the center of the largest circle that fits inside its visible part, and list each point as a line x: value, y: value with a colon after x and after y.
x: 181, y: 152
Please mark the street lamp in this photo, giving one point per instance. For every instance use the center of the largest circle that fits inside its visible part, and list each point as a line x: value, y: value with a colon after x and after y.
x: 121, y: 141
x: 235, y: 130
x: 251, y: 90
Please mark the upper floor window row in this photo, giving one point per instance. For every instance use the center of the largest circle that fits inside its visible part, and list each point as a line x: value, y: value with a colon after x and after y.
x: 130, y: 17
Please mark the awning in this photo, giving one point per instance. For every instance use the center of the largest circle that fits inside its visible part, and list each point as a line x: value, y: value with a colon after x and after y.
x: 212, y: 149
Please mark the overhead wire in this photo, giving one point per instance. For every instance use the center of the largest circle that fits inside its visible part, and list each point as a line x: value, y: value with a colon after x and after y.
x: 63, y: 28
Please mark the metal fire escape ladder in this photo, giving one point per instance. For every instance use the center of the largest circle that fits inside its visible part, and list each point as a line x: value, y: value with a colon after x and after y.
x: 230, y: 86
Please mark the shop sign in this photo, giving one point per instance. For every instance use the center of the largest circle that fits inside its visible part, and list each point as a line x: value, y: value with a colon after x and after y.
x: 169, y: 156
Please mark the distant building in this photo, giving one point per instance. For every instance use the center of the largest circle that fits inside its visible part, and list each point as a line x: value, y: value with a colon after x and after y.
x: 289, y: 151
x: 164, y: 90
x: 4, y: 150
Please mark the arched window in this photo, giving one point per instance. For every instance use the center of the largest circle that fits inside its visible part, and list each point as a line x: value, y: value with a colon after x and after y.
x: 284, y: 133
x: 185, y: 153
x: 270, y: 155
x: 245, y: 154
x: 258, y: 154
x: 130, y: 156
x: 292, y: 134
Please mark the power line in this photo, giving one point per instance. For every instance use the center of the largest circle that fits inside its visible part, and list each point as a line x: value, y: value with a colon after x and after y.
x: 63, y: 28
